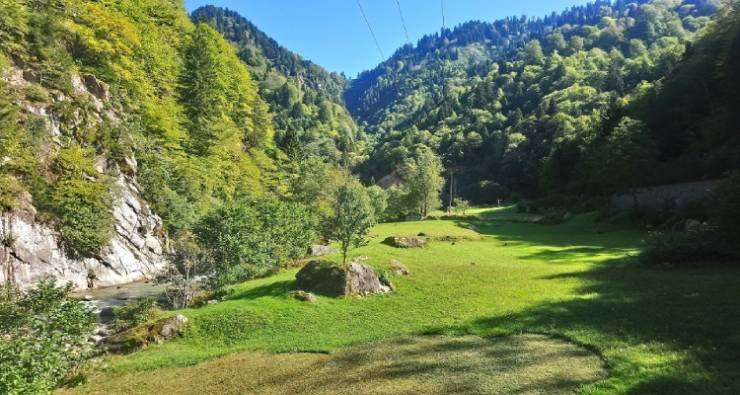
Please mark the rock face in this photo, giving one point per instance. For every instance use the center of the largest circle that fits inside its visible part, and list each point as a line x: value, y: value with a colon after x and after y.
x: 328, y: 278
x: 406, y: 242
x: 134, y: 253
x: 320, y: 250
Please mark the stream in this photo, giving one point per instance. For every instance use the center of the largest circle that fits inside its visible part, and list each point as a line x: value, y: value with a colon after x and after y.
x: 119, y: 295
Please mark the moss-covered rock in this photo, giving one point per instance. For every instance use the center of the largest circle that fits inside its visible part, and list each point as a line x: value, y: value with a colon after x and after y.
x: 140, y: 336
x: 405, y: 242
x: 330, y: 279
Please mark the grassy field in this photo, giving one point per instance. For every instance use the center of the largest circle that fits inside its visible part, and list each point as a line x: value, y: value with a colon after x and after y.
x: 657, y: 330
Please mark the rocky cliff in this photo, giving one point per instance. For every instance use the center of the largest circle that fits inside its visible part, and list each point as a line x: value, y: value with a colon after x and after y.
x: 31, y: 247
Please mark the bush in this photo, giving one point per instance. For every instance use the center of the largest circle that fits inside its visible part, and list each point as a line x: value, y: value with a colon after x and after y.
x: 678, y: 248
x: 81, y: 201
x: 187, y: 262
x: 461, y: 206
x: 724, y: 208
x: 136, y: 313
x: 252, y: 237
x: 85, y: 219
x: 43, y: 337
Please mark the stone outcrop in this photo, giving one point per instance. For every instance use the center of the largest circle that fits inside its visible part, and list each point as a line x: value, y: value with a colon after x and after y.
x: 304, y: 296
x: 320, y: 250
x: 31, y: 248
x: 134, y: 253
x: 328, y: 278
x: 140, y: 336
x: 398, y: 268
x: 405, y: 242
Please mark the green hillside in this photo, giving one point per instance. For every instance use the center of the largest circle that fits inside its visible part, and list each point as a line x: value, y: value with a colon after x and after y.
x: 310, y: 117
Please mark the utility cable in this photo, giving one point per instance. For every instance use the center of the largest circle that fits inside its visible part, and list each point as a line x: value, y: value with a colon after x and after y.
x: 442, y: 6
x: 372, y: 33
x: 403, y: 21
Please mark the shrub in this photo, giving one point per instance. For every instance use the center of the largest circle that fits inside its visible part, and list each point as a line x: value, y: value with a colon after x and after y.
x: 725, y: 208
x: 43, y: 337
x: 251, y: 237
x: 685, y: 248
x: 187, y: 262
x: 135, y: 313
x: 80, y: 200
x: 461, y: 206
x: 85, y: 219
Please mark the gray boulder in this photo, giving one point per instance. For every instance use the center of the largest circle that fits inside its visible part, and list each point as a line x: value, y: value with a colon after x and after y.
x: 328, y: 278
x: 405, y: 242
x: 304, y: 296
x: 362, y: 280
x: 320, y: 250
x: 172, y: 326
x: 692, y: 225
x: 140, y: 336
x: 399, y: 269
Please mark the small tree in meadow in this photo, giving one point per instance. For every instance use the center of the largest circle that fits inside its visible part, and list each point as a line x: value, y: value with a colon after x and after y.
x: 423, y: 180
x: 352, y: 219
x: 461, y: 206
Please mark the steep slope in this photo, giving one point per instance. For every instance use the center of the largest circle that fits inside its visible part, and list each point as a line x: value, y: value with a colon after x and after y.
x: 306, y: 99
x: 113, y: 111
x: 512, y: 105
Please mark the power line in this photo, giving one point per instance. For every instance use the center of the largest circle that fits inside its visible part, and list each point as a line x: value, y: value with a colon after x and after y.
x: 442, y: 6
x: 403, y: 21
x: 372, y: 33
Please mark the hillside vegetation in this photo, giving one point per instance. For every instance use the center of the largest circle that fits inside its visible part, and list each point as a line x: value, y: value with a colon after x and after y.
x: 310, y: 116
x: 201, y: 142
x: 178, y: 110
x: 563, y: 104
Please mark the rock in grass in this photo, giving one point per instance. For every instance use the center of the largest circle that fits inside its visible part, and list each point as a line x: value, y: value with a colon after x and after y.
x: 330, y: 279
x: 304, y: 296
x: 139, y: 336
x: 172, y: 326
x: 322, y: 277
x: 362, y: 280
x: 398, y: 268
x: 320, y: 250
x: 405, y: 242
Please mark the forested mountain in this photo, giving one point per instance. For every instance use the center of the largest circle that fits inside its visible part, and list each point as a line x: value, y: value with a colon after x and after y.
x: 525, y: 105
x: 310, y: 115
x: 113, y: 106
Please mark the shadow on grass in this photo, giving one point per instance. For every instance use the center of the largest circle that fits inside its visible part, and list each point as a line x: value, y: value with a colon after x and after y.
x: 574, y: 254
x: 453, y: 365
x: 582, y: 228
x: 275, y: 289
x: 665, y: 331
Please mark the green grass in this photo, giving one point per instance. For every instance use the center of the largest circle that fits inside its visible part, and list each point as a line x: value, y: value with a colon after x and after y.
x: 525, y: 364
x: 659, y: 331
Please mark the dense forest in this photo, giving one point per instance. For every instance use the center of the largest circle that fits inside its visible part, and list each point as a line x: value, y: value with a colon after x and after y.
x: 559, y: 105
x: 596, y: 100
x: 310, y: 116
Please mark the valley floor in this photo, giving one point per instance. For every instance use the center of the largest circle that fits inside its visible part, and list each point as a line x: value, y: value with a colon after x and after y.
x: 467, y: 320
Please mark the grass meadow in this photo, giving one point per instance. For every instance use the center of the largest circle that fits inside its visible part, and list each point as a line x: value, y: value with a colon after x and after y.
x: 494, y: 304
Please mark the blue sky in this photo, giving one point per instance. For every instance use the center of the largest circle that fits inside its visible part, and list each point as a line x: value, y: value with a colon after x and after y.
x: 333, y: 34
